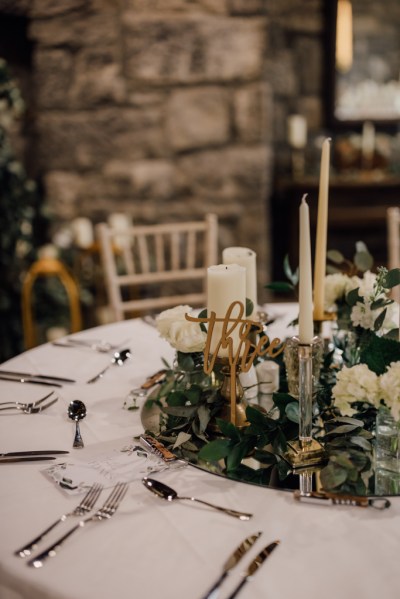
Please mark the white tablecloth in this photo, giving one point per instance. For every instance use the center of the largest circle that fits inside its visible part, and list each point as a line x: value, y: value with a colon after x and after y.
x: 152, y: 548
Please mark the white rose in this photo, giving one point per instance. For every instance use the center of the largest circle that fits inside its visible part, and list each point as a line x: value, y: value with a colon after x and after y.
x: 337, y: 286
x: 390, y: 388
x: 357, y: 383
x: 183, y: 335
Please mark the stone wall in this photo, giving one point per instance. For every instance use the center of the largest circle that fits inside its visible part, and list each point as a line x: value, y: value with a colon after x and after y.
x: 168, y: 109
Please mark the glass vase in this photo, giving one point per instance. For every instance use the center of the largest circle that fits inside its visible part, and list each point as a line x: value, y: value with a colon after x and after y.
x: 387, y: 441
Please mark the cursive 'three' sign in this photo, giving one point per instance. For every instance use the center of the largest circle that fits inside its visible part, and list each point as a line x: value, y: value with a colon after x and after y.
x: 246, y: 350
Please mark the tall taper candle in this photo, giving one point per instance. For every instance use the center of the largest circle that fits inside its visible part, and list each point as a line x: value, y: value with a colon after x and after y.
x: 306, y: 328
x: 322, y: 228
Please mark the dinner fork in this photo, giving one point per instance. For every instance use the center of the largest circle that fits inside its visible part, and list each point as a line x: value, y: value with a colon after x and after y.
x: 25, y: 404
x: 32, y: 407
x: 104, y: 513
x: 85, y: 506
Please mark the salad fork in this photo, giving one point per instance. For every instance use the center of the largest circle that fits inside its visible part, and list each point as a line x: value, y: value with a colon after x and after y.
x: 85, y: 506
x: 29, y: 408
x: 104, y: 513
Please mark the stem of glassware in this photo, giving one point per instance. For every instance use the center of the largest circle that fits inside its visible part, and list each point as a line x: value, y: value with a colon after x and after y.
x: 305, y: 395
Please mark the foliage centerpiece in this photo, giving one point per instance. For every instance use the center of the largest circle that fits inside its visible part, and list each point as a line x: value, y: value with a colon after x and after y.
x: 361, y: 371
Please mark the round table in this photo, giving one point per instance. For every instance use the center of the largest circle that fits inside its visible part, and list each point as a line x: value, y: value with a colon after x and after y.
x: 153, y: 548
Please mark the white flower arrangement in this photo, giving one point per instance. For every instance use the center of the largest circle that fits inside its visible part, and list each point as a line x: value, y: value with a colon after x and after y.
x: 181, y: 334
x: 359, y: 383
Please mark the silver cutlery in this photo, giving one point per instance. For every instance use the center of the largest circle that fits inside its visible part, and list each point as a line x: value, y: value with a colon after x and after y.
x: 119, y: 358
x: 16, y: 404
x: 36, y: 452
x: 76, y: 412
x: 85, y: 506
x: 32, y: 375
x: 39, y: 458
x: 104, y: 513
x: 28, y: 380
x: 232, y: 561
x: 31, y: 408
x: 162, y: 490
x: 97, y: 345
x: 254, y: 565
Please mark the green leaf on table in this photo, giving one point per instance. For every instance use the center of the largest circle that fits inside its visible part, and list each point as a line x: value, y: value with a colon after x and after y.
x: 361, y: 442
x: 203, y: 414
x: 228, y: 429
x: 181, y: 439
x: 215, y: 450
x: 292, y: 411
x: 379, y: 320
x: 180, y: 411
x: 332, y: 476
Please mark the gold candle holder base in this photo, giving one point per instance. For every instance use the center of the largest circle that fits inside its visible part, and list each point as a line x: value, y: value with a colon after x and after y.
x: 304, y: 455
x: 234, y: 409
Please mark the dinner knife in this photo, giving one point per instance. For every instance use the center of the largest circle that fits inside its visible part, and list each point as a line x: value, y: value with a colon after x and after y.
x: 16, y: 454
x: 325, y: 498
x: 38, y: 458
x: 254, y: 565
x: 236, y: 556
x: 47, y: 377
x: 13, y: 379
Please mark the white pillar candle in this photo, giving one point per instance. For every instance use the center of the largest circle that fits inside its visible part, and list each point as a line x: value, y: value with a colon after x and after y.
x: 306, y: 332
x: 120, y: 223
x: 297, y: 131
x: 268, y: 376
x: 226, y: 283
x: 82, y: 229
x: 321, y: 238
x: 247, y: 258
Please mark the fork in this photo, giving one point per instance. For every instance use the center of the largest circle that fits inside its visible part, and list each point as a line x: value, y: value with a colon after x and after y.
x: 104, y: 513
x: 100, y: 346
x: 31, y: 407
x: 85, y: 506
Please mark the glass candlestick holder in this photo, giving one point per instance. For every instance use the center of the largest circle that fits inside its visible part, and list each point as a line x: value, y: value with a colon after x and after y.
x: 291, y: 360
x: 303, y: 363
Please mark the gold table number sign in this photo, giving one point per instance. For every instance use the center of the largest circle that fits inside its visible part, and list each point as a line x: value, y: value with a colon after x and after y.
x: 252, y: 343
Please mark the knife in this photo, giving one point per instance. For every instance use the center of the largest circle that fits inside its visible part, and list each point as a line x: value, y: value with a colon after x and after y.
x: 16, y: 454
x: 13, y: 379
x: 49, y: 377
x: 236, y: 556
x: 254, y: 565
x: 40, y: 458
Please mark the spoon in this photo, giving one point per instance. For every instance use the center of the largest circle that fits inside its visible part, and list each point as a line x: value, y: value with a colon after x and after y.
x: 119, y: 357
x: 165, y: 492
x: 76, y: 412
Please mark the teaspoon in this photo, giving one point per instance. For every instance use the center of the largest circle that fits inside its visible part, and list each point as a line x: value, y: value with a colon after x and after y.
x: 119, y: 358
x: 76, y: 412
x: 162, y: 490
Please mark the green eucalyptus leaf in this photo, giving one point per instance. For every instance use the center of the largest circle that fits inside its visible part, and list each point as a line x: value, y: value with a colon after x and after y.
x: 353, y: 297
x: 335, y: 256
x: 249, y: 307
x: 228, y: 429
x: 281, y: 286
x: 180, y: 411
x: 361, y: 442
x: 342, y: 430
x: 379, y: 320
x: 181, y: 439
x: 392, y: 278
x: 332, y: 476
x: 203, y: 414
x: 215, y: 450
x: 292, y: 411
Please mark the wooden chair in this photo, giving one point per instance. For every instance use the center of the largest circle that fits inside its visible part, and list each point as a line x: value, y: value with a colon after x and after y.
x: 48, y: 267
x: 393, y: 241
x: 158, y: 266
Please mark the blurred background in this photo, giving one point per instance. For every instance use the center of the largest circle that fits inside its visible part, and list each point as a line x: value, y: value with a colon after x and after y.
x: 150, y: 111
